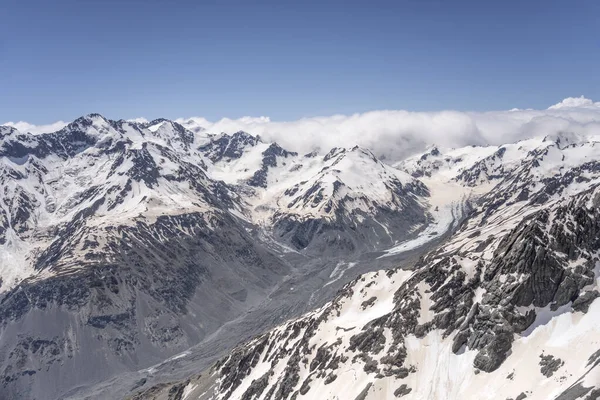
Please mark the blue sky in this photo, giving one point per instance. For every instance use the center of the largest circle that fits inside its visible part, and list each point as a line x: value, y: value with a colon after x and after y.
x: 288, y: 60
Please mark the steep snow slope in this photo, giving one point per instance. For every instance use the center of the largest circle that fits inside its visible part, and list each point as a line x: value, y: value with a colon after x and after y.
x: 350, y: 179
x: 508, y: 307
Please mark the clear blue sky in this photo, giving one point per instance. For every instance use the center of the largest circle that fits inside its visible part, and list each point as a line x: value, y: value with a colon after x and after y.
x: 291, y: 59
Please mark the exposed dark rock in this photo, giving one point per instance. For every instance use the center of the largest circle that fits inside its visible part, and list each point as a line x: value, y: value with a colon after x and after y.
x: 330, y: 378
x: 403, y: 390
x: 593, y: 395
x: 368, y: 303
x: 176, y: 391
x: 270, y: 157
x: 229, y: 147
x: 583, y: 301
x: 368, y: 341
x: 574, y: 392
x: 493, y: 355
x: 256, y: 388
x: 291, y: 377
x: 370, y: 366
x: 363, y: 394
x: 549, y: 365
x: 594, y: 358
x: 305, y: 386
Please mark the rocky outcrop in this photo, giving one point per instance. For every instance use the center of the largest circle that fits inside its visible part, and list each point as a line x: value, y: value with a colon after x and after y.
x: 228, y: 147
x: 270, y: 160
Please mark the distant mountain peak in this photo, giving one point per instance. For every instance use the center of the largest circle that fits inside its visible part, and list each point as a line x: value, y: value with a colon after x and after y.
x: 229, y: 147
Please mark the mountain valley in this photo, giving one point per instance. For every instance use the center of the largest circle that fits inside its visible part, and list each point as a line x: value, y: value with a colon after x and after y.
x: 157, y: 260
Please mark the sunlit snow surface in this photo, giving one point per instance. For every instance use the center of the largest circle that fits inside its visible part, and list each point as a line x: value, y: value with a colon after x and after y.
x: 446, y: 206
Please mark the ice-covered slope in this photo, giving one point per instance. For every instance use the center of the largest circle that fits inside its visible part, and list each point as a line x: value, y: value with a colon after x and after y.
x: 507, y: 307
x: 349, y: 180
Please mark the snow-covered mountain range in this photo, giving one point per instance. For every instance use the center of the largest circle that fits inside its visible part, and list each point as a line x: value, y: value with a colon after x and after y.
x: 506, y: 307
x: 142, y: 239
x: 127, y: 247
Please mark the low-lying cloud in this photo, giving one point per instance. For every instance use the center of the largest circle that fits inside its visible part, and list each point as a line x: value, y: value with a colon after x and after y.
x: 395, y: 134
x: 23, y: 126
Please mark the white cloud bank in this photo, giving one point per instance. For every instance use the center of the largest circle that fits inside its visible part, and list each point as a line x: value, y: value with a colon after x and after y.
x: 394, y: 134
x: 23, y: 126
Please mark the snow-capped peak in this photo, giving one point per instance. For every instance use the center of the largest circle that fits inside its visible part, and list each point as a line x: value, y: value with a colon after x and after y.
x: 7, y: 131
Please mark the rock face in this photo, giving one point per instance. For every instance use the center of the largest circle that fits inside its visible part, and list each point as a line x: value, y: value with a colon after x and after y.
x: 494, y: 312
x: 166, y: 287
x: 269, y: 160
